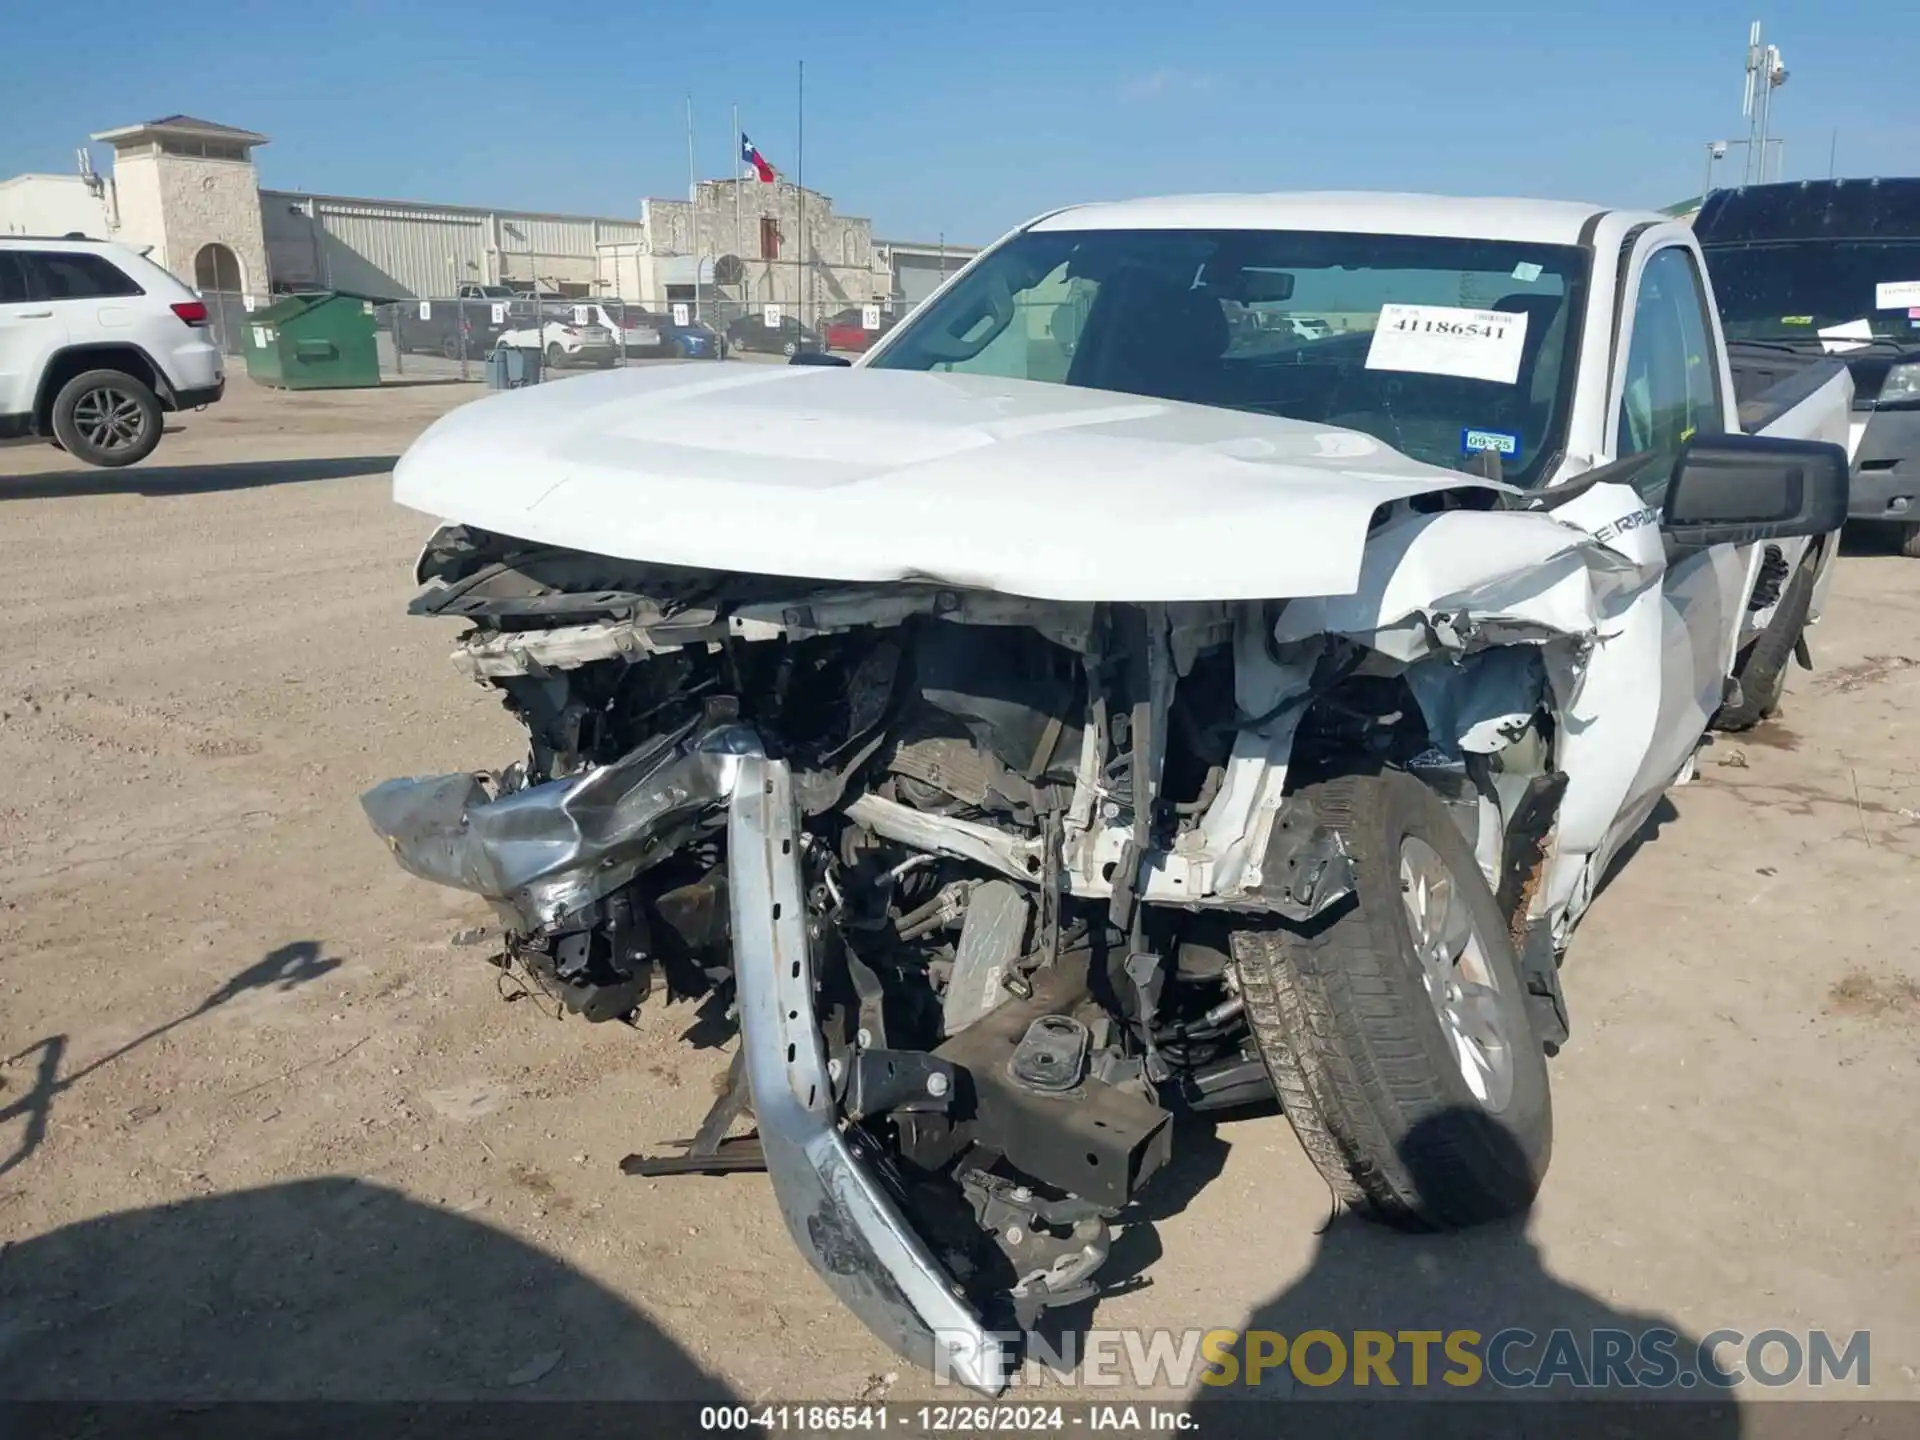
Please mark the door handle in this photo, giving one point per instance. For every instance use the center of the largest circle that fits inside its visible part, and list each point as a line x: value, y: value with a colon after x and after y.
x: 33, y: 314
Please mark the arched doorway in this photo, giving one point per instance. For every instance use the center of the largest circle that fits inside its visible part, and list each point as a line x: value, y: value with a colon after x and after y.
x: 223, y: 285
x: 216, y: 267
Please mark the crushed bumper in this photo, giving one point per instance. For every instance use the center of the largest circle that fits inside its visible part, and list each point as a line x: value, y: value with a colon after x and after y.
x: 548, y: 849
x: 839, y: 1213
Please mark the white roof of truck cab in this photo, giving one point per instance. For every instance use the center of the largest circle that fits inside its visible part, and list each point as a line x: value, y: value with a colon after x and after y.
x: 1534, y: 222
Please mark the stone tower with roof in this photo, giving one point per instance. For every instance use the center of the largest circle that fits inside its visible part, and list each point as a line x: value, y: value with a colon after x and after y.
x: 188, y: 188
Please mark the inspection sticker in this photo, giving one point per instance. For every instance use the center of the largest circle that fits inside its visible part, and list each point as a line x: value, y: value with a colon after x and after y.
x: 1526, y: 270
x: 1497, y: 442
x: 1896, y: 294
x: 1447, y: 340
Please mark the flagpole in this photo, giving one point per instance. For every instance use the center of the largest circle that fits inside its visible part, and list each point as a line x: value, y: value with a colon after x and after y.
x: 739, y: 250
x: 693, y: 204
x: 800, y: 182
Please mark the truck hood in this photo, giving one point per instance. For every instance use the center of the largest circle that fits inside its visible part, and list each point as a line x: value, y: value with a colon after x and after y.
x: 826, y: 473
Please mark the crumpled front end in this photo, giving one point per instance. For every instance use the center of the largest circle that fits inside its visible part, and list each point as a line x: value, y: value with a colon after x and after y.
x: 965, y: 865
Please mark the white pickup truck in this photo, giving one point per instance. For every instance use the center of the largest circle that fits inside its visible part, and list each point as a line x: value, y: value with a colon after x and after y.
x: 1090, y: 706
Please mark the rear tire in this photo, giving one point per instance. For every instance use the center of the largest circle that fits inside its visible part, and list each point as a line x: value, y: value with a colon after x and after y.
x: 554, y: 356
x: 107, y: 418
x: 1761, y: 668
x: 1370, y: 1076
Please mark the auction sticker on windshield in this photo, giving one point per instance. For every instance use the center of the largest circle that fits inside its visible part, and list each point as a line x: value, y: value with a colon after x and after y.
x: 1447, y: 340
x: 1896, y: 294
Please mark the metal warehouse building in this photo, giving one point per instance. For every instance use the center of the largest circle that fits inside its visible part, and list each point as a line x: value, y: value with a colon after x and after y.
x: 189, y: 190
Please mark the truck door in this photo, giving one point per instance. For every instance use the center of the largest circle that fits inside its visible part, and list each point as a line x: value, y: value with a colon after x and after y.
x: 1671, y: 386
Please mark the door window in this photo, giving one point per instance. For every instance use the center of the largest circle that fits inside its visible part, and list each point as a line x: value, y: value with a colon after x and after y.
x: 78, y: 275
x: 13, y: 279
x: 1672, y: 390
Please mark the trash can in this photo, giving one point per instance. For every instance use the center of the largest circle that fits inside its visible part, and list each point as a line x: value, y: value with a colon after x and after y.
x: 509, y: 368
x: 321, y: 341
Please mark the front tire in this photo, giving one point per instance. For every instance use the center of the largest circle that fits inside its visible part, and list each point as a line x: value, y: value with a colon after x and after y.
x: 1909, y: 538
x: 790, y: 349
x: 107, y: 418
x: 1395, y: 1027
x: 1761, y: 668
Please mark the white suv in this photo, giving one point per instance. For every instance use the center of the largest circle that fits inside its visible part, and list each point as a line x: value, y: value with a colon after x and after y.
x: 561, y: 339
x: 95, y: 343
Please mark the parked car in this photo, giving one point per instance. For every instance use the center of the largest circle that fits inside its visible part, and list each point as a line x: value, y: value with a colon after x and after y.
x: 847, y: 329
x: 563, y: 342
x: 629, y: 327
x: 1024, y: 763
x: 695, y: 340
x: 98, y: 343
x: 1833, y: 266
x: 789, y: 337
x: 1308, y: 327
x: 451, y: 328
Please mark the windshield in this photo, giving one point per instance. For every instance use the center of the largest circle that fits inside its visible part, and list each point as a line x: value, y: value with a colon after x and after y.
x: 1285, y: 323
x: 1792, y: 290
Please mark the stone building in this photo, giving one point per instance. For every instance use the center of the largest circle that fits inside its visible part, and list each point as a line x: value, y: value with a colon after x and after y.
x: 757, y: 242
x: 187, y: 190
x: 184, y: 189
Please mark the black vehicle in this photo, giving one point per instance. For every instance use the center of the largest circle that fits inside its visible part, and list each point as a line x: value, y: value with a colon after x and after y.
x: 451, y: 328
x: 789, y: 337
x: 1833, y: 266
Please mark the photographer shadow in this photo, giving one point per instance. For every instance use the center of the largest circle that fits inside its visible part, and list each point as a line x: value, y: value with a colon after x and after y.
x: 1368, y: 1277
x: 316, y: 1295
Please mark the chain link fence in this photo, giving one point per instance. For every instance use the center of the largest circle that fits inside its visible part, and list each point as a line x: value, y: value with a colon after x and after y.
x: 452, y: 339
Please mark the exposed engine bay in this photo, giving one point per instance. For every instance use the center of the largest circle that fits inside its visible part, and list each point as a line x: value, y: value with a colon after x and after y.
x: 1027, y: 830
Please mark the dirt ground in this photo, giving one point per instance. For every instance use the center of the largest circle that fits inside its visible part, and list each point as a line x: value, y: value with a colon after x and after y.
x: 268, y: 1129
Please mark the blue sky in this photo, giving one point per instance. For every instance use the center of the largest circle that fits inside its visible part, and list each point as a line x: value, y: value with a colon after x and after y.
x: 967, y: 117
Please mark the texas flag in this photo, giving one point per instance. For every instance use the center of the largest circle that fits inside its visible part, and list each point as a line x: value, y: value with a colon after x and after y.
x: 750, y: 154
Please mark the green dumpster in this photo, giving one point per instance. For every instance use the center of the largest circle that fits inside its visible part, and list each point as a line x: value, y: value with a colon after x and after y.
x: 322, y: 341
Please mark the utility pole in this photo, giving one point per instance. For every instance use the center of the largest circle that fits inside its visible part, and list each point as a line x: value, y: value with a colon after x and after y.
x: 1765, y: 74
x: 1773, y: 76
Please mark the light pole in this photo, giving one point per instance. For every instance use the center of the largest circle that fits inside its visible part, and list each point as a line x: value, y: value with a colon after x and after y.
x: 1716, y: 150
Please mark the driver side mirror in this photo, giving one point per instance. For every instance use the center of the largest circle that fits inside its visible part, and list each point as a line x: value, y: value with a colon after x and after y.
x: 1736, y: 489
